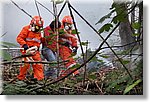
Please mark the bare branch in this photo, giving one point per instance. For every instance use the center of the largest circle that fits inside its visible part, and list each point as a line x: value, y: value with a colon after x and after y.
x: 30, y: 62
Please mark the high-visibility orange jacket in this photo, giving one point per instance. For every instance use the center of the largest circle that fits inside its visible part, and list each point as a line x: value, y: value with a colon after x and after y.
x: 66, y: 53
x: 30, y: 38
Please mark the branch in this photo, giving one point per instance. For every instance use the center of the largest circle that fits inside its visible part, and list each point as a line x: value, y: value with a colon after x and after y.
x: 61, y: 9
x: 21, y: 9
x: 3, y: 34
x: 123, y: 45
x: 100, y: 90
x: 31, y: 62
x: 45, y: 8
x: 22, y: 56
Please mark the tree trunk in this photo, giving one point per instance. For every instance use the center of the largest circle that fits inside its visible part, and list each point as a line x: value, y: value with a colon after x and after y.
x: 125, y: 30
x: 141, y: 23
x: 125, y: 33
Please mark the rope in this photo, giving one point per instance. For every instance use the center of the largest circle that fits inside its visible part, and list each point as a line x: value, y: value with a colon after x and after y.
x: 76, y: 30
x: 21, y: 8
x: 61, y: 9
x: 37, y: 8
x: 31, y: 62
x: 56, y: 30
x: 45, y: 8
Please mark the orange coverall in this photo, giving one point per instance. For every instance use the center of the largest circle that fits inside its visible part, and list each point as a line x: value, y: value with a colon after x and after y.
x: 30, y: 38
x: 64, y: 52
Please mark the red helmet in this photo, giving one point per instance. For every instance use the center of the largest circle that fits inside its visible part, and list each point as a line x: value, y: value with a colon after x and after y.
x: 67, y: 19
x: 37, y: 20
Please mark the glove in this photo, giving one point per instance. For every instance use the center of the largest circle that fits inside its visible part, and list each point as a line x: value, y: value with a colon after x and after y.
x: 74, y: 49
x: 32, y: 50
x: 25, y: 46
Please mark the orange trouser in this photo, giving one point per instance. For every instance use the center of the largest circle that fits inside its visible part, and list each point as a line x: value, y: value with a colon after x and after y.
x: 65, y: 54
x: 37, y: 68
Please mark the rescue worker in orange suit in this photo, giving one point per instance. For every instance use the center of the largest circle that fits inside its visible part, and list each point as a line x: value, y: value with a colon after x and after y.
x: 29, y: 37
x: 68, y: 45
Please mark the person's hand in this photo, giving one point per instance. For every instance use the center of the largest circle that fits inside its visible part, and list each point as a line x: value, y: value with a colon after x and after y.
x: 74, y: 50
x: 32, y: 50
x: 25, y: 46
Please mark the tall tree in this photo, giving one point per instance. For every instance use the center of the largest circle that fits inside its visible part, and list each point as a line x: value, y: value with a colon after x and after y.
x: 125, y: 29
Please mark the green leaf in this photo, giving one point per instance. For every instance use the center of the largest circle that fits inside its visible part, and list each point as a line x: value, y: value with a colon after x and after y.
x: 84, y: 43
x: 50, y: 31
x: 124, y: 52
x: 94, y: 59
x: 115, y: 20
x: 72, y: 54
x: 131, y: 86
x: 119, y: 18
x: 106, y: 27
x: 125, y: 61
x: 50, y: 42
x: 136, y: 25
x: 104, y: 56
x: 100, y: 60
x: 75, y: 66
x: 101, y: 30
x: 61, y: 31
x: 113, y: 5
x: 74, y: 31
x: 135, y: 34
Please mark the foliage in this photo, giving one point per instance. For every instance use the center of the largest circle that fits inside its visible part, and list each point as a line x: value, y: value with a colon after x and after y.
x: 110, y: 81
x: 136, y: 25
x: 108, y: 16
x: 4, y: 53
x: 132, y: 86
x: 106, y: 27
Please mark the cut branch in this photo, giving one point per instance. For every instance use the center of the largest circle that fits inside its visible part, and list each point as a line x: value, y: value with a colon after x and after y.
x: 30, y: 62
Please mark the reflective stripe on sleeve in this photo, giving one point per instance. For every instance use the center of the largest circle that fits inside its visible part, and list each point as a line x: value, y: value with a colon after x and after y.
x: 33, y: 39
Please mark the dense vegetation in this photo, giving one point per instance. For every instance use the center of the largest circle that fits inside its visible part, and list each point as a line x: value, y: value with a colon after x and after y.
x: 96, y: 78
